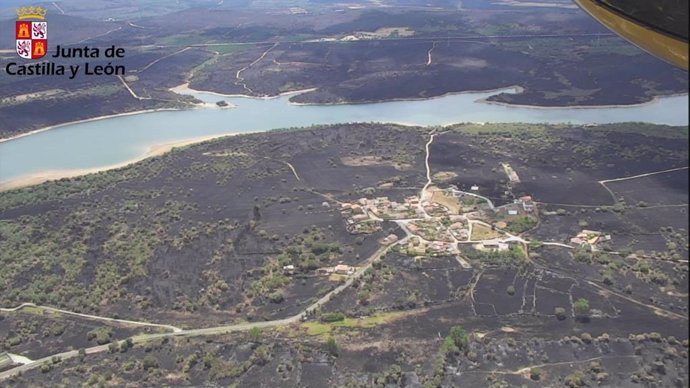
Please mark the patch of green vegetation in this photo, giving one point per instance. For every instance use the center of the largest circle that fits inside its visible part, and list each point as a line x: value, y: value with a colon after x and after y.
x: 514, y: 256
x: 455, y: 342
x: 505, y: 128
x: 181, y: 40
x: 321, y: 328
x: 102, y: 335
x: 568, y: 49
x: 646, y: 129
x: 33, y: 310
x: 482, y: 232
x: 317, y: 328
x: 521, y: 224
x: 228, y: 48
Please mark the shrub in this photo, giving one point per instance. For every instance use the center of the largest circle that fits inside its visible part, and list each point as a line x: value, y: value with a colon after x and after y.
x: 150, y: 362
x: 254, y: 334
x: 575, y: 380
x: 126, y: 345
x: 333, y: 317
x: 560, y: 313
x: 46, y: 367
x: 332, y: 346
x: 262, y: 355
x: 277, y: 297
x: 535, y: 373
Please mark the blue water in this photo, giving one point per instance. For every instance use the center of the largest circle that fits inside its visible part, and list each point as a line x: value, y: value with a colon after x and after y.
x: 111, y: 141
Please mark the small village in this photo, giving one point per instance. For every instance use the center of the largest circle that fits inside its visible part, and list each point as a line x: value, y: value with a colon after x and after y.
x: 446, y: 220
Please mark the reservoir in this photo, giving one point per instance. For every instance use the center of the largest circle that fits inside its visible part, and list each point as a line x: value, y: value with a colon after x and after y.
x: 112, y: 141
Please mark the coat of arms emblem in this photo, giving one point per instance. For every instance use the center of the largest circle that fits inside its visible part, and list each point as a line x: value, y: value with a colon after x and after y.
x: 32, y: 32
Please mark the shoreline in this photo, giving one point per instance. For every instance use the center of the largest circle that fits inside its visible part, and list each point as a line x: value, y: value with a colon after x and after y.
x: 151, y: 151
x: 181, y: 89
x: 56, y: 126
x: 653, y: 100
x: 163, y: 148
x: 186, y: 90
x: 518, y: 89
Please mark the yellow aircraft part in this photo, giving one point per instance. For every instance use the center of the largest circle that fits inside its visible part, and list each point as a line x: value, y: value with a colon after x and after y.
x: 672, y: 50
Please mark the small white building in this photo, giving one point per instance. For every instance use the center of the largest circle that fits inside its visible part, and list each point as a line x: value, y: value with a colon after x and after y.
x: 289, y: 269
x: 492, y: 245
x: 342, y: 269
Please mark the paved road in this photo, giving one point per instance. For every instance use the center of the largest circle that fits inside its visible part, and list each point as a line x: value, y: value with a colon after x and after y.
x: 177, y: 332
x: 93, y: 317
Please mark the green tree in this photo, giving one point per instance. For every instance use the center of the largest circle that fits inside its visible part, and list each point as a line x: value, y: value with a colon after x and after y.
x: 575, y: 380
x: 332, y: 346
x: 459, y: 337
x: 583, y: 255
x: 363, y: 297
x: 581, y: 307
x: 102, y: 335
x: 126, y: 345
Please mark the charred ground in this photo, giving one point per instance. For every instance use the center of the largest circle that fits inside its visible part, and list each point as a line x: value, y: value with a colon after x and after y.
x: 198, y: 238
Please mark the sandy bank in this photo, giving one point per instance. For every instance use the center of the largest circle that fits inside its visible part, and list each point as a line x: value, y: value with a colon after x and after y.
x: 185, y: 89
x: 153, y: 150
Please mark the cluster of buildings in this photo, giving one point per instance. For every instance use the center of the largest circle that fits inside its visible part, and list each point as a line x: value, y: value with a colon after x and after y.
x: 429, y: 229
x: 434, y: 209
x: 589, y: 238
x: 358, y: 220
x: 522, y: 206
x: 526, y: 203
x: 390, y: 239
x: 340, y: 269
x: 459, y: 228
x: 387, y: 209
x: 365, y: 215
x: 417, y: 246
